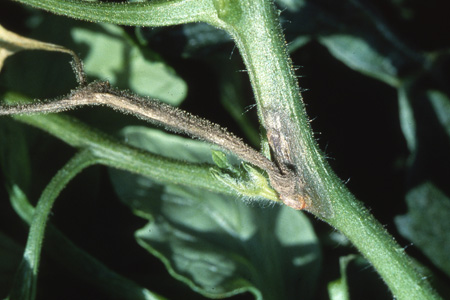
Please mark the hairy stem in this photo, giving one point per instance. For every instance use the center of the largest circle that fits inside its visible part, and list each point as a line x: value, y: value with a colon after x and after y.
x: 113, y: 153
x: 80, y: 263
x: 152, y: 13
x: 26, y: 281
x: 255, y: 27
x: 171, y: 118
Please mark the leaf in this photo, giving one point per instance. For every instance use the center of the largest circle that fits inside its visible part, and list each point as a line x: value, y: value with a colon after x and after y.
x: 441, y: 106
x: 427, y: 223
x: 219, y: 245
x: 113, y: 56
x: 355, y: 33
x: 425, y: 124
x: 358, y: 54
x: 407, y: 120
x: 15, y: 168
x: 11, y: 43
x: 75, y: 260
x: 108, y: 53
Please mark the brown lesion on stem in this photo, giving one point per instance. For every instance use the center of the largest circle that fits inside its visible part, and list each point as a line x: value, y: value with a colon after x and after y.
x: 297, y: 188
x: 291, y: 184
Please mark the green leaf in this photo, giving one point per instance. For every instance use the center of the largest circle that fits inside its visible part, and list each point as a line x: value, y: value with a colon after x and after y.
x: 114, y: 57
x: 108, y: 53
x: 424, y: 115
x: 217, y: 244
x: 441, y: 106
x: 358, y: 54
x: 427, y: 223
x: 76, y: 261
x: 407, y: 120
x: 248, y: 182
x: 16, y: 169
x: 88, y: 269
x: 220, y: 159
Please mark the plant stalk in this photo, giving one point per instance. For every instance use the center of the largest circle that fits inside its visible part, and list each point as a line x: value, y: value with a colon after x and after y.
x: 256, y: 29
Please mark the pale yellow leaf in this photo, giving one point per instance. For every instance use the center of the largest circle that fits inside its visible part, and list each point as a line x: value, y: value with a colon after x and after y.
x: 11, y: 43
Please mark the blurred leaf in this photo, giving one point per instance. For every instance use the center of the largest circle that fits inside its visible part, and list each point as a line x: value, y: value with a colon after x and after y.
x: 424, y: 122
x: 338, y: 289
x: 355, y: 33
x: 427, y: 223
x: 15, y: 167
x: 424, y: 115
x: 441, y: 105
x: 113, y: 56
x: 359, y: 55
x: 407, y: 120
x: 59, y: 248
x: 291, y: 5
x: 108, y: 53
x: 218, y: 245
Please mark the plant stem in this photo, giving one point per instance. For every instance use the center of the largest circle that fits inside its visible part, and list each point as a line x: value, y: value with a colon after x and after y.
x: 111, y: 152
x: 26, y: 281
x: 115, y: 154
x: 86, y: 267
x: 375, y: 243
x: 152, y: 13
x: 255, y: 27
x: 257, y: 31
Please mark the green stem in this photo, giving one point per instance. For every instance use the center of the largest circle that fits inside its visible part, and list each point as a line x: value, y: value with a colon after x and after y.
x: 118, y: 155
x: 376, y: 244
x: 257, y: 31
x: 86, y: 267
x: 255, y: 27
x: 152, y: 13
x: 26, y: 282
x: 110, y: 152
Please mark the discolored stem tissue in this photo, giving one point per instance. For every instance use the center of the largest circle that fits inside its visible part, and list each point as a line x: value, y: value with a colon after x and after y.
x: 281, y: 178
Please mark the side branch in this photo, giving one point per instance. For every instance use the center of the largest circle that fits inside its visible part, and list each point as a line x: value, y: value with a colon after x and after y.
x: 173, y: 119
